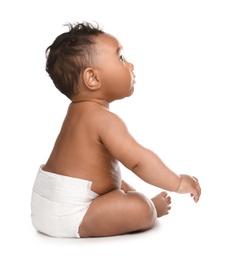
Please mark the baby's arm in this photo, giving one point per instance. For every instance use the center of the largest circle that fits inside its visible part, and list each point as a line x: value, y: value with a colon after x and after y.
x: 152, y: 170
x: 142, y: 161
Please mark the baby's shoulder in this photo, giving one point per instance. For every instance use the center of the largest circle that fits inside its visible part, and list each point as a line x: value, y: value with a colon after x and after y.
x: 109, y: 121
x: 107, y: 115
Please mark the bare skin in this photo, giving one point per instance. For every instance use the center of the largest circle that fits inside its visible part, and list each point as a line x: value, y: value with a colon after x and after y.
x: 162, y: 203
x: 93, y: 141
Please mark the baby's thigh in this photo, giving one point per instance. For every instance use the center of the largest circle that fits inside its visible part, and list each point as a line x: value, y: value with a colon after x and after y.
x: 117, y: 213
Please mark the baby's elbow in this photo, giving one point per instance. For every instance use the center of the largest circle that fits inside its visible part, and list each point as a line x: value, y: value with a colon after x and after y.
x: 135, y: 167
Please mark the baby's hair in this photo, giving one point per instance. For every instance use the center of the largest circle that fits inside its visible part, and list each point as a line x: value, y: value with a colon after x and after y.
x: 70, y: 54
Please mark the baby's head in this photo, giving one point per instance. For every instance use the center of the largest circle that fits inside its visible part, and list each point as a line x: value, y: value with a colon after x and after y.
x: 87, y: 63
x: 70, y: 54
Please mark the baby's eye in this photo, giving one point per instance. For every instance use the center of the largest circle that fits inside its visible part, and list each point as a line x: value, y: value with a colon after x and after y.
x: 121, y: 58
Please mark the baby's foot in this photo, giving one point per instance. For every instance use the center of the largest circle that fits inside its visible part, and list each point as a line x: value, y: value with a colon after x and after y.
x: 162, y: 203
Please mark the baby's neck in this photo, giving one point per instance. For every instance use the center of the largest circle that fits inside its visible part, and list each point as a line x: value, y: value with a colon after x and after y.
x: 97, y: 101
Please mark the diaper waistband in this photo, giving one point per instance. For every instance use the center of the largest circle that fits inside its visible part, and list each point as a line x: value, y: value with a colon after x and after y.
x: 60, y: 188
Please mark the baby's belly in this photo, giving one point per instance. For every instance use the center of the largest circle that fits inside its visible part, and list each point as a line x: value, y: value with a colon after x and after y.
x: 106, y: 184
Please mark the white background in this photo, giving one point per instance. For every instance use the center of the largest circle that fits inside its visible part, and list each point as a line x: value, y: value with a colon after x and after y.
x: 181, y: 109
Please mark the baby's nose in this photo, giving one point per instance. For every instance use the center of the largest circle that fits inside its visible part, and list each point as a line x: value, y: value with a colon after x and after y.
x: 132, y: 66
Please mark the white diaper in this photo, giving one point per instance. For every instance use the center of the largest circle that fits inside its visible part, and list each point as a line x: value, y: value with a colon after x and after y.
x: 59, y: 203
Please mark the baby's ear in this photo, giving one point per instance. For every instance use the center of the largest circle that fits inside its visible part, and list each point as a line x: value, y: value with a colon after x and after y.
x: 90, y: 78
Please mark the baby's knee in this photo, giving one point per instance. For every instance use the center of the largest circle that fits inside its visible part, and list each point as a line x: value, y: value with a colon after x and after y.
x: 146, y: 211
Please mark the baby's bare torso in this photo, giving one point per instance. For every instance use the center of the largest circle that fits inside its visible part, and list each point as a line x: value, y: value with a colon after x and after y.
x: 79, y: 151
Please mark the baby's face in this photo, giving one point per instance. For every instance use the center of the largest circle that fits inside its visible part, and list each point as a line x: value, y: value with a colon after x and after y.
x: 115, y: 72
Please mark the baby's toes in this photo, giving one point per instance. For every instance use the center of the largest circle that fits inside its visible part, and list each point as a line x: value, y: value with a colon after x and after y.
x: 168, y: 199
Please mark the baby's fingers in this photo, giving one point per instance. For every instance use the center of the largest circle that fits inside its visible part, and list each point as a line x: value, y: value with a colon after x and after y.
x: 196, y: 198
x: 197, y: 192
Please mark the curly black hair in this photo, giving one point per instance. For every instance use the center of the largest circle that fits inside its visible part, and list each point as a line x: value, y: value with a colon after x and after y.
x: 70, y: 54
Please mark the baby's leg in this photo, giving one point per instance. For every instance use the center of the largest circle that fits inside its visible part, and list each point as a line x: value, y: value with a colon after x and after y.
x: 118, y: 212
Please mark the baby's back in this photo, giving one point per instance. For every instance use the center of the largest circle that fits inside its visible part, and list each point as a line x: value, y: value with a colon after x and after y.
x: 79, y: 151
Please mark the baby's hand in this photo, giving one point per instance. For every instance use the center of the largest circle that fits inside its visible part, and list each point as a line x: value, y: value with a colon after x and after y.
x: 190, y: 185
x: 126, y: 187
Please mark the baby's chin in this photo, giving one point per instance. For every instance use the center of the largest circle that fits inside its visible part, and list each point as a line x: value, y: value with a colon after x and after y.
x: 128, y: 94
x: 131, y: 91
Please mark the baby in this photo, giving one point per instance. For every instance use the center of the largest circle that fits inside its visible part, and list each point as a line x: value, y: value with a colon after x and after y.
x: 79, y: 191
